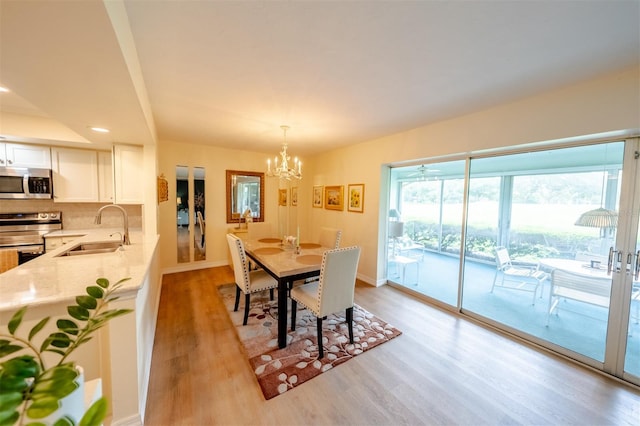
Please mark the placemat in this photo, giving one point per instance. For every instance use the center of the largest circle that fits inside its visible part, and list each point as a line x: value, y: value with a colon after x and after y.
x: 309, y: 245
x: 269, y: 240
x: 309, y: 259
x: 268, y: 250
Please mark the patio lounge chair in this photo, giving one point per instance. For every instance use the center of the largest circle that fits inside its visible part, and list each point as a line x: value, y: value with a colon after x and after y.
x: 523, y: 278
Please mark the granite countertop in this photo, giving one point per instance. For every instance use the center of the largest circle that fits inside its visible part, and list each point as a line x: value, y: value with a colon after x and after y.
x: 51, y: 279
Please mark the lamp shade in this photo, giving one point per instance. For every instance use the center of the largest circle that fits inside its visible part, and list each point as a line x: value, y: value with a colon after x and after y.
x: 598, y: 218
x: 396, y: 229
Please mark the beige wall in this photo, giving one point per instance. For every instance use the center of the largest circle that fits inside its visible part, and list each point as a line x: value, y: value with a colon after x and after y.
x: 603, y: 105
x: 215, y: 161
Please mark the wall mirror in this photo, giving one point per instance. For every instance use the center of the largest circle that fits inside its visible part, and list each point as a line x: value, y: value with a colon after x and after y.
x: 182, y: 213
x: 245, y: 191
x: 190, y: 214
x: 199, y: 246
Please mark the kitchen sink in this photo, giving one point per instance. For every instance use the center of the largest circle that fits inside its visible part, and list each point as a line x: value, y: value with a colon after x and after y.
x: 94, y: 247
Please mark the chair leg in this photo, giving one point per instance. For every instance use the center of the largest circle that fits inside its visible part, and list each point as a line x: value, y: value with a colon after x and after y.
x: 294, y: 309
x: 350, y: 323
x: 495, y: 278
x: 320, y: 348
x: 235, y: 307
x: 247, y: 300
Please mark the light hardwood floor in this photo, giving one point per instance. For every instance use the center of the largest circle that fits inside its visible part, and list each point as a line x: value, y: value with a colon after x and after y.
x: 444, y: 369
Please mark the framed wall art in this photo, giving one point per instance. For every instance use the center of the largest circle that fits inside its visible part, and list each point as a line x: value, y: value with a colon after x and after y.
x: 163, y: 189
x: 294, y: 196
x: 282, y: 197
x: 333, y: 197
x: 355, y: 195
x: 317, y: 196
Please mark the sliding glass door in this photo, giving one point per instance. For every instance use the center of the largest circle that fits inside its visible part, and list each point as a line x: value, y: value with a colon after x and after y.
x: 424, y: 229
x: 556, y: 286
x: 550, y: 243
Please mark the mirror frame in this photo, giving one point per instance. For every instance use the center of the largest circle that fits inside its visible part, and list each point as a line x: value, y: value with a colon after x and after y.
x: 234, y: 217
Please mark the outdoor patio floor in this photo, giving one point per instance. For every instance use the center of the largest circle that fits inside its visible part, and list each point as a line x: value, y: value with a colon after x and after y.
x: 577, y: 326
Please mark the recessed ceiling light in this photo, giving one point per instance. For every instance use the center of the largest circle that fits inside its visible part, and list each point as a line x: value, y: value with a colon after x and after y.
x: 99, y: 129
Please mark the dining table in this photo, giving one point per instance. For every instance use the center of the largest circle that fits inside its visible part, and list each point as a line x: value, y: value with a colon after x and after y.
x: 286, y: 263
x: 578, y: 267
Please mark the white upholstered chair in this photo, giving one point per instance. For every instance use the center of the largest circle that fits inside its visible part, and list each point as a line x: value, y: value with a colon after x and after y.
x: 247, y: 281
x: 201, y: 223
x: 330, y: 237
x: 332, y: 293
x: 257, y: 230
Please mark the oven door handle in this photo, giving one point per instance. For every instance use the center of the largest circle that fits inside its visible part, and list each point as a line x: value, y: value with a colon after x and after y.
x: 34, y: 248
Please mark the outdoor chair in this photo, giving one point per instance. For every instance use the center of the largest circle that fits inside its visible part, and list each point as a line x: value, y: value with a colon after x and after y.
x: 247, y: 281
x: 523, y: 278
x: 332, y: 293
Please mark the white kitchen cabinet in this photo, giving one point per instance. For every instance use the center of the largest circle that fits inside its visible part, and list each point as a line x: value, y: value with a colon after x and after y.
x: 75, y: 175
x: 22, y: 155
x: 128, y: 174
x: 105, y: 176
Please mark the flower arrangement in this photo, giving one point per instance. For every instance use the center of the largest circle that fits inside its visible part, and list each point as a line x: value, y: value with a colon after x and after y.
x: 289, y: 239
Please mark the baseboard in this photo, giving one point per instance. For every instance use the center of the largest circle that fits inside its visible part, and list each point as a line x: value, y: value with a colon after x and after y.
x: 134, y: 420
x: 192, y: 266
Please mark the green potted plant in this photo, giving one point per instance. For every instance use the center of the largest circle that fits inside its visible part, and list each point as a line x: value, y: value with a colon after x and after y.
x: 31, y: 391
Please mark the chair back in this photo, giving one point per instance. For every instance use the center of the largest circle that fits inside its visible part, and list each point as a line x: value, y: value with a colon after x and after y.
x: 337, y: 280
x: 257, y: 230
x: 502, y: 258
x: 330, y: 237
x: 200, y: 220
x: 240, y: 262
x: 596, y: 286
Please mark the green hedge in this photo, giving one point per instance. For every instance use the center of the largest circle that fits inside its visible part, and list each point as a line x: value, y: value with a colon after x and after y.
x: 481, y: 242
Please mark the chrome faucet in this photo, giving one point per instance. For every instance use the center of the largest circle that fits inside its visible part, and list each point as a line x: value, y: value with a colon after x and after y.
x: 125, y: 219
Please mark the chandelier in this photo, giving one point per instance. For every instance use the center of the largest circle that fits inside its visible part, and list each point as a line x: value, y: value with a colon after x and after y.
x: 282, y: 169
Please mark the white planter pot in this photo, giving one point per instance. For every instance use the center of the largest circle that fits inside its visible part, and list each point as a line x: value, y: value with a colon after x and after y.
x: 73, y: 405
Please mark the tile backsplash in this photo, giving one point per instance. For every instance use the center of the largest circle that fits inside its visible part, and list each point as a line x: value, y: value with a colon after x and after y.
x: 76, y: 215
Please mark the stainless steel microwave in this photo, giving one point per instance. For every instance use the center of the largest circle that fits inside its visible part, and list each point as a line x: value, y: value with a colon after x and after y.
x: 25, y: 183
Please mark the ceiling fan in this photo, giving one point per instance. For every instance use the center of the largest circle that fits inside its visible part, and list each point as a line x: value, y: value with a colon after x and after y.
x: 422, y: 173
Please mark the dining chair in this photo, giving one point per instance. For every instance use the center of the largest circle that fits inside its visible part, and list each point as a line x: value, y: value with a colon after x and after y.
x: 330, y: 237
x: 247, y: 281
x: 257, y: 230
x: 200, y: 220
x: 332, y: 293
x: 523, y: 278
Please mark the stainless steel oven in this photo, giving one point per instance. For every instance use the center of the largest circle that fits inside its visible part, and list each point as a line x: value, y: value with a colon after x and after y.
x: 25, y: 232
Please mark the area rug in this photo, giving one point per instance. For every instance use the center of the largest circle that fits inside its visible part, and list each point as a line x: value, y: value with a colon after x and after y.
x: 279, y: 370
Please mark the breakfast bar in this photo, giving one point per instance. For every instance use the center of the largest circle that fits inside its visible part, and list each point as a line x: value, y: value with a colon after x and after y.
x: 120, y: 355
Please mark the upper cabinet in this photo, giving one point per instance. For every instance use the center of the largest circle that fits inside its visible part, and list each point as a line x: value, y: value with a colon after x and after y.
x: 128, y: 174
x: 87, y: 176
x: 22, y: 155
x: 75, y: 175
x: 105, y: 176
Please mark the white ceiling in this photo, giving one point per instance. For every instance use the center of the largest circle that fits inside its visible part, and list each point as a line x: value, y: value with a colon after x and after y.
x: 229, y: 73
